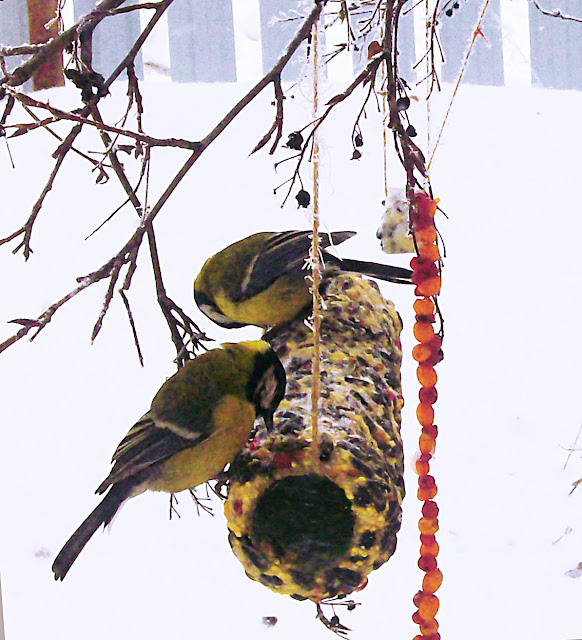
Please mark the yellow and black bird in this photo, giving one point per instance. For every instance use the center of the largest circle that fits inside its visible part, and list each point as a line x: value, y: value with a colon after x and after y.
x: 260, y: 280
x: 198, y: 421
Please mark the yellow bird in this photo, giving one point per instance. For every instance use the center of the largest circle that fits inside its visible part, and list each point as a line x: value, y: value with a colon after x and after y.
x: 199, y: 420
x: 260, y: 280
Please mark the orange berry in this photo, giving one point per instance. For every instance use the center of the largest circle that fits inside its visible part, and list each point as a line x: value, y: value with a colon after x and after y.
x: 421, y: 352
x: 430, y: 509
x: 423, y: 306
x: 423, y: 331
x: 428, y: 605
x: 429, y: 546
x: 432, y: 581
x: 426, y: 235
x: 427, y: 395
x: 426, y: 493
x: 427, y: 563
x: 423, y: 269
x: 429, y: 251
x: 429, y: 625
x: 417, y: 598
x: 431, y: 430
x: 429, y: 287
x: 428, y: 526
x: 427, y: 489
x: 426, y: 375
x: 425, y: 204
x: 426, y: 443
x: 425, y: 415
x: 434, y: 358
x: 422, y: 467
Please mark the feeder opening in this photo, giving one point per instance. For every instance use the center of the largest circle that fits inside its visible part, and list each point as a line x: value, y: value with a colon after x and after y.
x: 306, y: 520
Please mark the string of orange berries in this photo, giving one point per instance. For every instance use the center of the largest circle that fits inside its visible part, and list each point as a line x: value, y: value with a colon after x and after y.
x: 426, y: 276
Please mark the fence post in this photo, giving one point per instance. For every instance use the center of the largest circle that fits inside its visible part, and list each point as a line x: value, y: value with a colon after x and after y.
x: 201, y: 36
x: 112, y: 38
x: 556, y: 51
x: 485, y: 65
x: 14, y: 32
x: 277, y: 34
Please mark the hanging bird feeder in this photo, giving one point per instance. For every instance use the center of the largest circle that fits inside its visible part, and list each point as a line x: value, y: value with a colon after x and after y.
x: 313, y: 521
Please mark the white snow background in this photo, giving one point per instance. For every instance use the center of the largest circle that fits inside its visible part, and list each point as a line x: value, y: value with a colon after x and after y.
x: 507, y: 173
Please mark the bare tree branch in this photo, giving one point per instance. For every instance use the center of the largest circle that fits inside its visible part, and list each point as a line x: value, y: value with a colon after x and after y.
x: 108, y: 270
x: 26, y: 230
x: 556, y: 13
x: 64, y: 115
x: 182, y: 328
x: 24, y: 72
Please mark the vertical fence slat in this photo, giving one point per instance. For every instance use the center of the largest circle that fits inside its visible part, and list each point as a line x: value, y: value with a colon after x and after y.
x: 556, y: 46
x: 13, y: 32
x: 202, y: 41
x: 485, y: 65
x: 276, y: 35
x: 202, y: 49
x: 112, y: 37
x: 406, y: 54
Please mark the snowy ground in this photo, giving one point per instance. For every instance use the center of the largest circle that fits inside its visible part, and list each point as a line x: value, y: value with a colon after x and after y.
x: 507, y: 172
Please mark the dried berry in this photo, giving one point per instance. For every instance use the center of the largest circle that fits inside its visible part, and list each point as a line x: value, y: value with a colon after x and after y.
x: 402, y: 103
x: 295, y: 141
x: 303, y: 198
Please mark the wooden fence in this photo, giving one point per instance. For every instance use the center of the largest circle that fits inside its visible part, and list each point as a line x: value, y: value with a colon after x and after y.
x: 201, y: 38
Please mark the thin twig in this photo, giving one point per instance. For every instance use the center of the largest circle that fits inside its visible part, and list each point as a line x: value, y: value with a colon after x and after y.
x: 556, y: 13
x: 132, y: 325
x: 367, y: 75
x: 573, y: 447
x: 277, y: 125
x: 137, y: 45
x: 24, y: 72
x: 134, y: 7
x: 168, y: 307
x: 140, y: 137
x: 26, y: 229
x: 476, y: 32
x: 107, y: 270
x: 128, y: 254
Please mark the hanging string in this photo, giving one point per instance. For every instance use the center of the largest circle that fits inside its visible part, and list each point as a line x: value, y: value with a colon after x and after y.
x: 477, y: 32
x: 427, y: 41
x: 315, y: 258
x: 385, y: 126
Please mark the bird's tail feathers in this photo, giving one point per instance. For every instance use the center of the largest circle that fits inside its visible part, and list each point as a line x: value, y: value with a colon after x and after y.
x: 101, y: 515
x: 399, y: 275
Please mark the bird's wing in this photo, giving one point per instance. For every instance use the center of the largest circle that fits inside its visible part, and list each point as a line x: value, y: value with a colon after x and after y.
x: 284, y: 253
x: 147, y: 443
